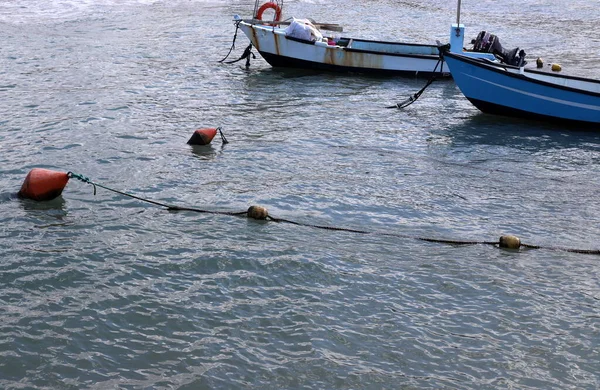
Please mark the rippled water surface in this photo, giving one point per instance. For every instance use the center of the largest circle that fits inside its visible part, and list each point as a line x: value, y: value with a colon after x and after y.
x: 106, y: 291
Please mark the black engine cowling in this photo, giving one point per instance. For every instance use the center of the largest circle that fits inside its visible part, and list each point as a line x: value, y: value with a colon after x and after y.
x: 489, y: 43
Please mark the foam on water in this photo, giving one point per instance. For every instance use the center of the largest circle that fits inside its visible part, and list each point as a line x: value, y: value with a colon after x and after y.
x: 34, y: 11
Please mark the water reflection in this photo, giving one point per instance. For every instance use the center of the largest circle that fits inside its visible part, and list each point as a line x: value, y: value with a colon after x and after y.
x: 8, y: 196
x: 56, y: 205
x: 485, y: 129
x: 206, y: 152
x: 50, y: 213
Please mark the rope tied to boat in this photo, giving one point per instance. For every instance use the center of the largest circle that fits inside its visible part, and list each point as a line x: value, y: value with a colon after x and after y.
x: 413, y: 98
x: 237, y: 27
x: 247, y: 53
x: 260, y: 213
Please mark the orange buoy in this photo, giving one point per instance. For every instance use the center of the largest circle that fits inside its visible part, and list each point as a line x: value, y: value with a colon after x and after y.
x: 43, y: 184
x: 202, y: 136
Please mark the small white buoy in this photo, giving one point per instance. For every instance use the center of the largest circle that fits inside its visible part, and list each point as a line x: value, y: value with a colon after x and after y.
x: 510, y: 242
x: 257, y: 212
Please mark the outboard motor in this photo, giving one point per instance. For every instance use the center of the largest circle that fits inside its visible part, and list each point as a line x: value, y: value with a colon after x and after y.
x: 489, y: 43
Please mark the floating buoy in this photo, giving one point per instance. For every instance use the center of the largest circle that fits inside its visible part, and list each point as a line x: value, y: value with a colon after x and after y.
x: 556, y: 67
x: 257, y: 212
x: 202, y: 136
x: 509, y: 242
x: 43, y: 184
x: 539, y: 62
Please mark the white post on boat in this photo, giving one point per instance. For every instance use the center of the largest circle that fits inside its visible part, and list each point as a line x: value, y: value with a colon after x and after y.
x: 457, y: 34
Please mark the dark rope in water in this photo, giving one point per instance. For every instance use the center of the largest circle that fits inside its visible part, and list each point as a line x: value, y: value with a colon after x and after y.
x: 237, y: 26
x: 223, y: 139
x: 324, y: 227
x: 247, y: 53
x: 414, y: 97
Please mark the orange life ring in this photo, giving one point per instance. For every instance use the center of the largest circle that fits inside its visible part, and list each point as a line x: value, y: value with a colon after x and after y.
x: 266, y: 6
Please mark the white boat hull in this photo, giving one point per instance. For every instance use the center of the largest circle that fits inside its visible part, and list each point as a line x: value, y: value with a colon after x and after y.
x: 354, y: 55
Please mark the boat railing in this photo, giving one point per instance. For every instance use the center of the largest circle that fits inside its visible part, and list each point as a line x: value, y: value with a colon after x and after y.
x: 321, y: 26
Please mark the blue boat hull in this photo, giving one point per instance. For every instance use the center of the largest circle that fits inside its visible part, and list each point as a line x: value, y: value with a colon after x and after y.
x: 494, y: 89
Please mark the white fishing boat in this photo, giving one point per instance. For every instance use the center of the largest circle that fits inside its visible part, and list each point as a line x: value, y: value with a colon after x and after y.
x: 303, y: 43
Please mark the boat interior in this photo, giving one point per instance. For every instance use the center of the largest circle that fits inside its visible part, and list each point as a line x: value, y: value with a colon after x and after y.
x: 364, y: 45
x: 563, y: 80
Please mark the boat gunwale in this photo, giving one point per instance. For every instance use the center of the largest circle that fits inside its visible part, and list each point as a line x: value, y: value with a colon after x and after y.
x: 279, y: 30
x: 352, y: 50
x: 394, y: 43
x: 425, y: 56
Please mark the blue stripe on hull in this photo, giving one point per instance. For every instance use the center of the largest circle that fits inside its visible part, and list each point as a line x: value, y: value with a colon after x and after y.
x: 288, y: 62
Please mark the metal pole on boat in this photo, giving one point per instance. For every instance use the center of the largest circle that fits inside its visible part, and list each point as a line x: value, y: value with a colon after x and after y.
x: 458, y: 19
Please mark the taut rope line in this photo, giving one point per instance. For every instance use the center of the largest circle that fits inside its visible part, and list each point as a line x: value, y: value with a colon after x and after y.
x: 258, y: 212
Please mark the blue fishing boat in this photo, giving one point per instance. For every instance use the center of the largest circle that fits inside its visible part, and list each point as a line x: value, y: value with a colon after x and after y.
x: 501, y: 89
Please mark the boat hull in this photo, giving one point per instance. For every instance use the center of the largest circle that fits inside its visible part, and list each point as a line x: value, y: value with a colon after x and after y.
x: 509, y: 91
x: 357, y: 55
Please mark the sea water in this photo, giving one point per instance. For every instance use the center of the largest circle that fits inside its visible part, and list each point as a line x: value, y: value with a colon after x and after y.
x: 100, y: 290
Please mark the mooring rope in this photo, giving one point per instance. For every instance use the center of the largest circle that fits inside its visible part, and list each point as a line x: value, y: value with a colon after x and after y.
x: 167, y: 206
x: 414, y: 97
x: 237, y: 26
x: 223, y: 139
x: 263, y: 215
x: 247, y: 52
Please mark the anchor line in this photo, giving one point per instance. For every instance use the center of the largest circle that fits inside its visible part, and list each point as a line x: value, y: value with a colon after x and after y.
x: 411, y: 99
x: 223, y: 139
x: 247, y: 53
x: 237, y: 27
x: 324, y: 227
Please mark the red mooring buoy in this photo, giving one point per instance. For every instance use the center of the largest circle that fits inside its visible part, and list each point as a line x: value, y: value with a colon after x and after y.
x: 202, y: 136
x: 43, y: 184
